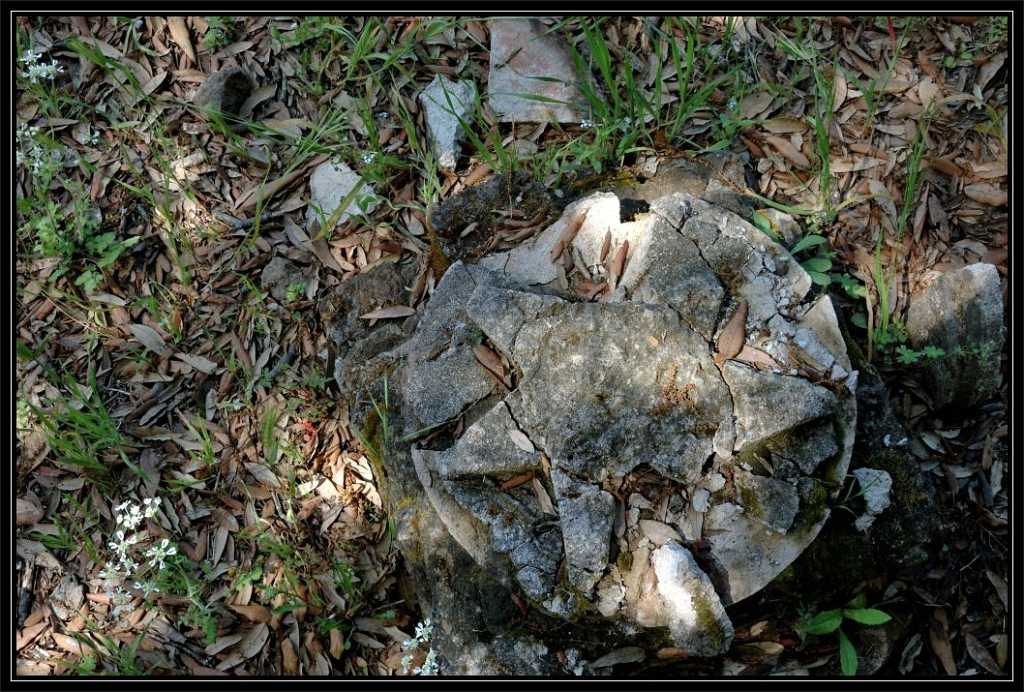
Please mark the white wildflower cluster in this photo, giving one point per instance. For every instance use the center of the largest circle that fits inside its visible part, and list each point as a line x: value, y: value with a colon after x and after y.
x: 30, y: 151
x: 587, y: 124
x: 35, y: 70
x: 369, y: 157
x: 424, y: 631
x: 129, y: 517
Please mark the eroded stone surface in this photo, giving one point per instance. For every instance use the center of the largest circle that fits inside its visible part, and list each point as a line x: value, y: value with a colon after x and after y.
x: 612, y: 399
x: 527, y: 61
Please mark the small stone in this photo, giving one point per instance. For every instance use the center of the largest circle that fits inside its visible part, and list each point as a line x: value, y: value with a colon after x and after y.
x: 700, y: 500
x: 328, y: 187
x: 875, y: 485
x: 285, y: 280
x: 961, y: 313
x: 446, y: 103
x: 527, y: 61
x: 223, y: 93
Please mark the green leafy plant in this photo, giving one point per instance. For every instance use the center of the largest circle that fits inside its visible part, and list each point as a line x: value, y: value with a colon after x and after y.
x: 831, y: 621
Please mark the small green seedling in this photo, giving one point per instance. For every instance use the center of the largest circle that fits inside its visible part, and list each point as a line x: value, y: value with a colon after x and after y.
x: 829, y: 621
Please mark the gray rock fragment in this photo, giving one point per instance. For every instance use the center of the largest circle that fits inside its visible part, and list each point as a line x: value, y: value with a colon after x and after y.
x: 961, y: 313
x: 587, y: 513
x: 281, y: 276
x: 329, y: 185
x: 446, y: 103
x: 528, y: 61
x: 875, y: 485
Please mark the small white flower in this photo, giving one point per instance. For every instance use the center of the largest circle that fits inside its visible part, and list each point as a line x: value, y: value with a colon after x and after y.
x: 369, y: 157
x: 159, y: 553
x: 110, y: 573
x: 146, y: 587
x: 424, y: 630
x: 429, y: 666
x: 587, y: 123
x: 150, y: 507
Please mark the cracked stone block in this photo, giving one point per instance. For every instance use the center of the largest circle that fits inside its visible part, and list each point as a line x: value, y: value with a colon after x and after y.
x: 623, y: 391
x: 447, y: 104
x: 532, y: 77
x: 961, y: 313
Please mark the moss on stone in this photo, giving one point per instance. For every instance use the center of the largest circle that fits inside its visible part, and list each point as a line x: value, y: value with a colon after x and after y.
x: 748, y: 498
x: 707, y: 622
x: 812, y: 509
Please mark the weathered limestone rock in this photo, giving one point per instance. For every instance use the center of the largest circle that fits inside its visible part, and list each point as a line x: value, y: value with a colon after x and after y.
x: 961, y: 313
x: 328, y: 187
x: 446, y: 103
x: 607, y: 393
x: 620, y: 479
x: 526, y: 61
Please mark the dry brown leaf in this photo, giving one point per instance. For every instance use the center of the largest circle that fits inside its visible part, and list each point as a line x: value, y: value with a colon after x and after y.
x: 262, y: 474
x: 516, y: 481
x: 28, y: 512
x: 839, y: 90
x: 28, y: 634
x: 254, y: 641
x: 261, y: 193
x: 337, y: 643
x: 289, y: 660
x: 567, y: 235
x: 222, y: 643
x: 520, y: 440
x: 981, y: 655
x: 989, y: 69
x: 492, y: 361
x: 253, y: 612
x: 389, y: 313
x: 69, y: 644
x: 756, y: 356
x: 730, y: 341
x: 938, y: 635
x: 180, y: 35
x: 752, y: 105
x: 790, y: 152
x: 542, y: 497
x: 606, y: 246
x: 200, y: 363
x: 148, y: 337
x: 784, y: 125
x: 618, y: 265
x: 945, y: 166
x: 986, y: 194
